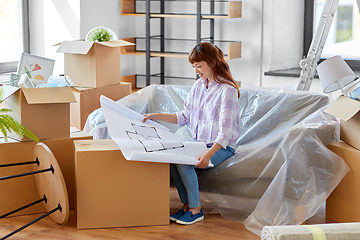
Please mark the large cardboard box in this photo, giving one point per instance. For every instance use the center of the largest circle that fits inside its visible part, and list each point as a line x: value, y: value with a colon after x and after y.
x: 347, y: 110
x: 89, y: 100
x: 44, y: 111
x: 18, y: 192
x: 343, y: 203
x: 92, y: 64
x: 114, y: 192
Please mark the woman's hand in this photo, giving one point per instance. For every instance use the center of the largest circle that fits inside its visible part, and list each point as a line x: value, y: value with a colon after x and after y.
x: 151, y: 116
x: 166, y: 117
x: 203, y: 160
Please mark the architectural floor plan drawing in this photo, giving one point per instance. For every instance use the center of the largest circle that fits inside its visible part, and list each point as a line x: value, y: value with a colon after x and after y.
x: 147, y: 141
x: 143, y: 133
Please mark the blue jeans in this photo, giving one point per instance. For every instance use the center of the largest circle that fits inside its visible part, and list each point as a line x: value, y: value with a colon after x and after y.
x: 186, y: 180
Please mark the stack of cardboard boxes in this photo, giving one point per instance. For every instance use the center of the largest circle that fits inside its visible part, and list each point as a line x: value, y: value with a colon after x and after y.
x: 94, y: 68
x: 110, y: 191
x: 105, y: 189
x: 55, y: 116
x: 343, y: 203
x: 45, y: 112
x: 50, y: 112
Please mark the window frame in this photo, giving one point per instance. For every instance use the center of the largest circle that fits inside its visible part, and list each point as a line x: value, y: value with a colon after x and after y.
x: 308, y: 34
x: 11, y: 66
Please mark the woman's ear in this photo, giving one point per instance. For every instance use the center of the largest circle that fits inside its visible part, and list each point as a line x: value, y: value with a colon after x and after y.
x: 213, y: 64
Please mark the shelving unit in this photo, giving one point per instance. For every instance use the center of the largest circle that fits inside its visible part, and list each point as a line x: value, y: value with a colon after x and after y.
x: 128, y: 8
x: 234, y: 51
x: 234, y: 11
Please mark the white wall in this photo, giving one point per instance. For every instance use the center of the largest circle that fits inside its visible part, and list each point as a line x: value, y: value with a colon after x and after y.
x: 270, y: 32
x: 246, y: 29
x: 51, y: 22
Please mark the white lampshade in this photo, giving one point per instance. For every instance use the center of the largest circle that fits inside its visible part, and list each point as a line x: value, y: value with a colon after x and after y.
x: 334, y: 74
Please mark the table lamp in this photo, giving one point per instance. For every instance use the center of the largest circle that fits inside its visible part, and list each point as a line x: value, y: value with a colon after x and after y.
x: 335, y: 74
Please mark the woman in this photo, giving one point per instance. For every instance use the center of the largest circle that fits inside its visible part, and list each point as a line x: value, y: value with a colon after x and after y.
x: 211, y: 110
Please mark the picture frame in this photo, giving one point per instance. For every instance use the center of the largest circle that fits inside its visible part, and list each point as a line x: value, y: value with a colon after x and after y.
x: 37, y: 68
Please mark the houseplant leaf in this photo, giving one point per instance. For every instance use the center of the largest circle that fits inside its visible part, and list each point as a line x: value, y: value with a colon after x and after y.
x: 9, y: 124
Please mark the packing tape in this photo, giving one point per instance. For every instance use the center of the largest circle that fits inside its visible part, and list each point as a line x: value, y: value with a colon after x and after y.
x: 317, y: 232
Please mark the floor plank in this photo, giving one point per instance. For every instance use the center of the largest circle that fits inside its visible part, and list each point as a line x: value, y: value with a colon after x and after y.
x: 214, y: 226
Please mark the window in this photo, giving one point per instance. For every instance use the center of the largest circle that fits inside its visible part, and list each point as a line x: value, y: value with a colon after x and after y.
x: 344, y: 35
x: 14, y: 37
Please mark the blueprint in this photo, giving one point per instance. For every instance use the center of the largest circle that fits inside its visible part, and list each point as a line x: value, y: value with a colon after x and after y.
x: 147, y: 141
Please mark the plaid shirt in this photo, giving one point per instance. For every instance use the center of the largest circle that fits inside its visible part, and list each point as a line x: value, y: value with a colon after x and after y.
x: 212, y: 113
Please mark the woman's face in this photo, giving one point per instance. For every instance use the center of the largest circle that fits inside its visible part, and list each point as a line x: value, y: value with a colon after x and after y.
x: 203, y: 70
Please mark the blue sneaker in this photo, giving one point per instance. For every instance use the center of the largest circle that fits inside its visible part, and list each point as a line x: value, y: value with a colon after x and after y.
x: 176, y: 215
x: 189, y: 218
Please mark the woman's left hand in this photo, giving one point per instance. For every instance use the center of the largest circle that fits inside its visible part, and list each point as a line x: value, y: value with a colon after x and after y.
x: 203, y: 161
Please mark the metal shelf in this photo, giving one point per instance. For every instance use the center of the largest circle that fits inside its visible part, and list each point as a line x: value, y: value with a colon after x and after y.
x: 128, y: 8
x: 234, y: 49
x: 234, y: 10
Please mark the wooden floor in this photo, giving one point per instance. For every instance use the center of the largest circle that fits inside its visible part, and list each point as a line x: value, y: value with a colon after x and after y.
x: 214, y: 226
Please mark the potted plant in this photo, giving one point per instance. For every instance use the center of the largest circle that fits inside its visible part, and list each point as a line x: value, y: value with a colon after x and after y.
x: 100, y: 34
x: 8, y: 123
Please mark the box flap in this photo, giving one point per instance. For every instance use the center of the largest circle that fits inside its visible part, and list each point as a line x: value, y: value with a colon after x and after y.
x: 343, y: 108
x: 8, y: 91
x: 58, y: 44
x: 48, y: 95
x: 117, y: 43
x: 96, y: 145
x: 75, y: 47
x: 77, y: 90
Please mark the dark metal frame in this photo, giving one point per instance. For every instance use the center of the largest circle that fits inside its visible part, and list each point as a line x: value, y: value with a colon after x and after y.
x: 44, y: 199
x: 162, y: 38
x: 58, y: 208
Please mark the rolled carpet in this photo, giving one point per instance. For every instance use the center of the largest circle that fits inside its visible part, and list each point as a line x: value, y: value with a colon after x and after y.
x: 331, y: 231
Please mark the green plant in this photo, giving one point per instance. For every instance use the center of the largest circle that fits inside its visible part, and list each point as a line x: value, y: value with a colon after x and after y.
x: 100, y: 34
x: 8, y: 123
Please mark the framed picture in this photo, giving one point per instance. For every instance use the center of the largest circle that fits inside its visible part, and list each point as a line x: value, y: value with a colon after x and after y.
x: 38, y: 69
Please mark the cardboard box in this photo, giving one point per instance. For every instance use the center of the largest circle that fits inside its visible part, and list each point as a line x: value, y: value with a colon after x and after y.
x: 114, y: 192
x: 44, y: 111
x: 87, y: 102
x: 92, y: 64
x: 343, y: 203
x: 347, y: 110
x: 18, y: 192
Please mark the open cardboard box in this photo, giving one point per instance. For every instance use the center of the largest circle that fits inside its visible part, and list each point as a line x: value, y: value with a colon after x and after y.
x: 347, y: 110
x: 44, y: 111
x: 92, y: 64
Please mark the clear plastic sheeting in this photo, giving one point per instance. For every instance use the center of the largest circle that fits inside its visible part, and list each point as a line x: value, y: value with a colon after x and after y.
x: 282, y: 171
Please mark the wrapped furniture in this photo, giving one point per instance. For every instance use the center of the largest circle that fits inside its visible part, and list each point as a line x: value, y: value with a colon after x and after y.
x: 282, y: 171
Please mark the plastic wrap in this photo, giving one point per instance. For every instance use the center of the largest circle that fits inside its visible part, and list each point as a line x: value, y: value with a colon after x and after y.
x: 281, y: 173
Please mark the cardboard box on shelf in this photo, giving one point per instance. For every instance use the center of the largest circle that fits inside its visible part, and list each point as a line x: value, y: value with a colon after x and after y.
x: 44, y: 111
x: 109, y: 188
x: 18, y: 192
x: 89, y: 100
x: 343, y: 203
x: 130, y: 79
x: 92, y: 64
x: 347, y: 110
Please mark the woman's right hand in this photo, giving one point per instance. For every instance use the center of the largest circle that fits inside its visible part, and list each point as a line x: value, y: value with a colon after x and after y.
x: 151, y: 116
x: 171, y: 118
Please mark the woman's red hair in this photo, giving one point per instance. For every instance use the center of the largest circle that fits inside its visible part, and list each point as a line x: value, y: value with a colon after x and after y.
x: 214, y: 57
